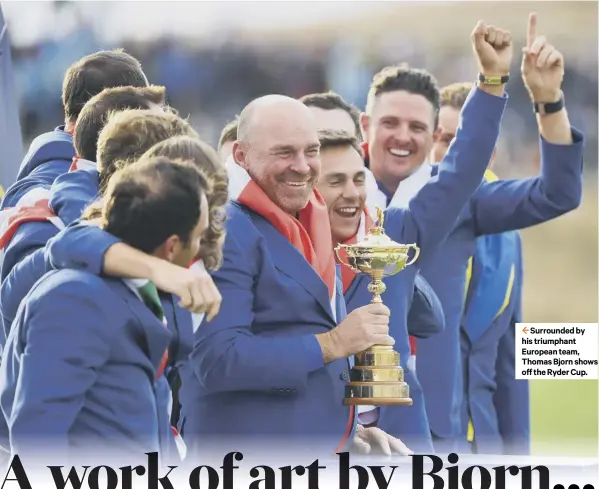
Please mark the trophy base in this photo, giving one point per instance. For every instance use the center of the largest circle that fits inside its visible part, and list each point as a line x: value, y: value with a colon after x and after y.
x: 377, y: 380
x: 377, y: 401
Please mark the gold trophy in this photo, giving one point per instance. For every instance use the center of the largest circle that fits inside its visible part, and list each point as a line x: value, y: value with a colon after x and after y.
x: 377, y: 378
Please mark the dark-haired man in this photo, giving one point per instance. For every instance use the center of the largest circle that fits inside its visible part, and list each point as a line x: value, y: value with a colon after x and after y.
x: 51, y: 154
x: 272, y: 366
x: 426, y: 316
x: 400, y: 126
x: 332, y: 112
x: 125, y: 137
x: 82, y: 362
x: 42, y: 212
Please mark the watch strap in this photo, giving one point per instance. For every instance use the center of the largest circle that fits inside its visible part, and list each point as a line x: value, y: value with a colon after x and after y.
x: 550, y: 107
x: 493, y: 80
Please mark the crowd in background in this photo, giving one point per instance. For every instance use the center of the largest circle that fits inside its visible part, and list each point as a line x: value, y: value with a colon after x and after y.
x: 242, y: 71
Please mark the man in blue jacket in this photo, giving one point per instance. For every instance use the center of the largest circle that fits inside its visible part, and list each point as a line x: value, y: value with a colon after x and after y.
x: 333, y: 113
x: 343, y: 186
x: 24, y: 230
x: 79, y: 377
x: 51, y: 154
x: 259, y: 375
x: 273, y: 365
x: 400, y: 125
x: 495, y: 409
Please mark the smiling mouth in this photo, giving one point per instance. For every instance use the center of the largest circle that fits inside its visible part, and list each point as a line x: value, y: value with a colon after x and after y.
x: 347, y: 212
x: 402, y: 153
x: 296, y: 184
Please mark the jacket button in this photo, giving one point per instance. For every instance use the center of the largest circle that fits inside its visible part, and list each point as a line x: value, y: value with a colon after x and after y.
x: 345, y: 375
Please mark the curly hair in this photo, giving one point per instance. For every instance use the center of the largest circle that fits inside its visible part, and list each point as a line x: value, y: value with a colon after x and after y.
x: 194, y: 150
x: 130, y: 133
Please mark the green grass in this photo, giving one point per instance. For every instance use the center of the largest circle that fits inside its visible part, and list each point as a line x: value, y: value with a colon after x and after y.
x: 564, y: 417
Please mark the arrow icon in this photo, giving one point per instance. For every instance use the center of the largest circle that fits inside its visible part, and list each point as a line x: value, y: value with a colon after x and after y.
x: 525, y: 330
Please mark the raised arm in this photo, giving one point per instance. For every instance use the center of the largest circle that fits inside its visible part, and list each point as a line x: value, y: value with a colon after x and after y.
x: 432, y: 213
x: 516, y: 204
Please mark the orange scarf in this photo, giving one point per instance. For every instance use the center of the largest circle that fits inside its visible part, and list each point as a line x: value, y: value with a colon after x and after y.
x: 311, y: 236
x: 310, y: 233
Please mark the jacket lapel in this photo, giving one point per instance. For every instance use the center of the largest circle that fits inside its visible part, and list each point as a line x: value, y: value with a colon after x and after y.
x: 155, y: 337
x: 355, y: 286
x: 288, y: 260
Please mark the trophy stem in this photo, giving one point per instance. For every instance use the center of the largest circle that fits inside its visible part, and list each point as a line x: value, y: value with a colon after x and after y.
x: 377, y: 286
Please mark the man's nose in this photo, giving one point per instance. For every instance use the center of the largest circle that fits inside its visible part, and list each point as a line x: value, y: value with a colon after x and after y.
x: 402, y: 133
x: 350, y: 191
x: 300, y: 165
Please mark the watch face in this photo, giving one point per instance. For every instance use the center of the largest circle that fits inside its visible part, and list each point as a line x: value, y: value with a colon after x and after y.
x: 493, y: 80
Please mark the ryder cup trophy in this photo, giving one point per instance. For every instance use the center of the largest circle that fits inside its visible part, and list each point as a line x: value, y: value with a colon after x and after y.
x: 377, y: 378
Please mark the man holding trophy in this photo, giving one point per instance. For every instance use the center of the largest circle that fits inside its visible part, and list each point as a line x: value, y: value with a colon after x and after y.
x: 380, y: 376
x: 272, y: 367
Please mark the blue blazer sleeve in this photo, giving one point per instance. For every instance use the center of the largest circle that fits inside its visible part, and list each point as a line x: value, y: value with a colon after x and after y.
x: 433, y: 212
x: 29, y: 237
x: 505, y: 205
x: 425, y: 317
x: 65, y: 340
x: 76, y: 247
x: 42, y: 176
x: 19, y: 282
x: 73, y: 192
x: 228, y: 356
x: 80, y: 246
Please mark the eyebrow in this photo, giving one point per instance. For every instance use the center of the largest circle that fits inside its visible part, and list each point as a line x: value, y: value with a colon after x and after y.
x: 410, y: 121
x: 283, y: 147
x: 332, y: 176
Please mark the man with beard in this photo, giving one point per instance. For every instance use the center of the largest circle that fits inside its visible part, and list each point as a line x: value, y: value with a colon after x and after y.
x: 272, y: 366
x: 400, y: 126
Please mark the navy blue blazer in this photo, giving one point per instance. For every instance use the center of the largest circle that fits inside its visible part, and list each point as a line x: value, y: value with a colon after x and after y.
x: 79, y: 373
x: 49, y: 156
x: 428, y: 219
x: 256, y: 373
x: 494, y: 400
x: 496, y: 207
x: 425, y: 317
x: 23, y: 263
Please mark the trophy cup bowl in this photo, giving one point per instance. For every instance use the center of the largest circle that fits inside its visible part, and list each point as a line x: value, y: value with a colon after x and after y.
x: 377, y: 378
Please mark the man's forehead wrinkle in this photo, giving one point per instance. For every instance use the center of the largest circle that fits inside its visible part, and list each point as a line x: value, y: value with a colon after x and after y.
x: 266, y: 110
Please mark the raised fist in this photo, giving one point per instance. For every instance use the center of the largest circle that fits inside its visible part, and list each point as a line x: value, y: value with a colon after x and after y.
x: 542, y: 66
x: 493, y: 49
